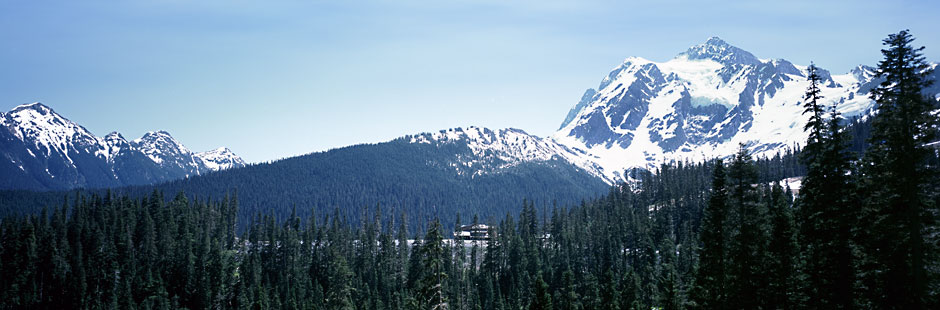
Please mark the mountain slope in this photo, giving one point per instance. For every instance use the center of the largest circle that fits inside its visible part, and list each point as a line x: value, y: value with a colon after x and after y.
x: 472, y: 171
x: 41, y: 150
x: 701, y: 104
x: 495, y: 150
x: 468, y: 171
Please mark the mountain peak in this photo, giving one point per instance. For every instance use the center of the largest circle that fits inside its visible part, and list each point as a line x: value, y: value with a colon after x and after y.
x: 702, y: 104
x: 157, y: 134
x: 35, y: 106
x: 220, y: 159
x: 45, y: 128
x: 716, y: 41
x: 159, y: 144
x: 114, y: 135
x: 161, y: 137
x: 35, y: 110
x: 115, y: 138
x: 718, y: 50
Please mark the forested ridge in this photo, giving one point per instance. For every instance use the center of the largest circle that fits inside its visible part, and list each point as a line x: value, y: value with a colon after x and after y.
x: 723, y: 234
x: 396, y: 174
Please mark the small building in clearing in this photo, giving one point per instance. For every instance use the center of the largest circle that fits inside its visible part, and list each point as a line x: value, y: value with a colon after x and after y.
x: 472, y: 232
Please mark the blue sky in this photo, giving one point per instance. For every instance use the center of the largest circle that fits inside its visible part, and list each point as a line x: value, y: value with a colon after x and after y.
x: 272, y: 79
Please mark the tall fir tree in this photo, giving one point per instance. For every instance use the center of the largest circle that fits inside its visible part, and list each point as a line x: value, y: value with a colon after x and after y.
x: 431, y: 290
x: 668, y: 277
x: 899, y: 185
x: 747, y: 251
x: 785, y: 287
x: 710, y: 287
x: 541, y: 298
x: 339, y: 291
x: 826, y: 216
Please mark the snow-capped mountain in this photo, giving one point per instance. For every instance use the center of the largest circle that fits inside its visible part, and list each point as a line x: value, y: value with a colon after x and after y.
x: 220, y: 159
x: 114, y: 143
x: 41, y: 149
x: 48, y: 132
x: 701, y: 104
x: 169, y: 153
x: 494, y: 151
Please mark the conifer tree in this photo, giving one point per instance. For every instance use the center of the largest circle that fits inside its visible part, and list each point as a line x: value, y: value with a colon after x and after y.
x: 816, y: 123
x: 668, y: 278
x: 630, y: 298
x: 458, y: 271
x: 568, y: 297
x: 401, y: 261
x: 710, y: 290
x: 784, y: 266
x: 747, y: 251
x: 899, y: 185
x: 826, y: 216
x: 541, y: 300
x: 339, y: 290
x: 432, y: 263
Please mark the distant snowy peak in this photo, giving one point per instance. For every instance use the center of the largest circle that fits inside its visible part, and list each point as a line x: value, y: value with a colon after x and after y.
x: 115, y: 138
x: 509, y: 145
x: 114, y: 143
x: 165, y: 150
x: 701, y: 104
x: 220, y: 159
x: 52, y: 152
x: 41, y: 127
x: 160, y: 145
x: 718, y: 50
x: 491, y: 151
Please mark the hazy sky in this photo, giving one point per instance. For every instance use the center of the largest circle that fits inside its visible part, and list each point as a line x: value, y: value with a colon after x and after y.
x: 272, y: 79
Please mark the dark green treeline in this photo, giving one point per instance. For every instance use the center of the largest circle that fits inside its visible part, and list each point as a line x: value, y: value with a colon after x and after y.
x: 639, y: 247
x: 633, y: 249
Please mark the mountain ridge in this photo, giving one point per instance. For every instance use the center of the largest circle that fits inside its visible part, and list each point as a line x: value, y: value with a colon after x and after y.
x: 701, y: 104
x: 43, y: 150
